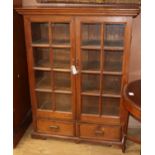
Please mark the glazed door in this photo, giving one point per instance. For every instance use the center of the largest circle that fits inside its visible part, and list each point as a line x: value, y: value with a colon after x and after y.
x: 101, y: 53
x: 51, y: 54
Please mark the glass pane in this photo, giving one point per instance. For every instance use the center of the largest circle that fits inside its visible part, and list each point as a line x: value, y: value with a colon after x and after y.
x: 61, y: 58
x: 111, y: 84
x: 90, y: 83
x: 113, y: 60
x: 60, y: 33
x: 90, y: 104
x: 90, y: 60
x: 114, y: 35
x: 110, y: 106
x: 62, y: 81
x: 63, y: 102
x: 39, y: 33
x: 91, y: 34
x: 43, y: 79
x: 41, y: 57
x: 44, y: 100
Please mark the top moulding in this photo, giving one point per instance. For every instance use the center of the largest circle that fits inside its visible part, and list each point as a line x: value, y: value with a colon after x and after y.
x: 91, y: 1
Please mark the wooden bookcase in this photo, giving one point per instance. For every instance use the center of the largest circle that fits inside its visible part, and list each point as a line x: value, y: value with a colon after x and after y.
x: 78, y: 65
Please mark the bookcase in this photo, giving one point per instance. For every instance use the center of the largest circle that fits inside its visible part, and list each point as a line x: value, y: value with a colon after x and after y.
x: 78, y: 65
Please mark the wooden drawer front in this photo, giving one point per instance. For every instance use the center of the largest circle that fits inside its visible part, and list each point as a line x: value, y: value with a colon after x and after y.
x: 100, y: 132
x: 55, y: 128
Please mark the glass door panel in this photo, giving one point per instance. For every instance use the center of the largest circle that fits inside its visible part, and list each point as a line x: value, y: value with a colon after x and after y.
x: 110, y: 106
x: 114, y: 35
x: 60, y: 33
x: 41, y: 57
x: 101, y: 55
x: 40, y: 32
x: 91, y: 33
x: 90, y: 105
x: 52, y: 52
x: 112, y: 84
x: 61, y: 58
x: 44, y: 100
x: 63, y: 102
x: 90, y: 59
x: 43, y: 79
x: 62, y: 81
x: 113, y: 60
x: 90, y: 83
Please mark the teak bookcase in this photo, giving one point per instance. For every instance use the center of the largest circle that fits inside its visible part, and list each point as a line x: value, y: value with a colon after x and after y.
x: 78, y: 64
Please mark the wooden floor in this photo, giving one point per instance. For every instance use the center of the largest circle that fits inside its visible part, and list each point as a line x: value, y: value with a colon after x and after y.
x: 29, y: 146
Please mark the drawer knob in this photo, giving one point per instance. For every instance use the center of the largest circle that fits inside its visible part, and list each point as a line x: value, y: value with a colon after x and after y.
x: 54, y: 127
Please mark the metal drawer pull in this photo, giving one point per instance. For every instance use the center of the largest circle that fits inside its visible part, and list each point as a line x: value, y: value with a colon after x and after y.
x: 54, y: 127
x: 99, y: 132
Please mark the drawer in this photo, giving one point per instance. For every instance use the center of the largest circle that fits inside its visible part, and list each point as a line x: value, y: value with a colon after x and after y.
x: 55, y: 127
x: 102, y: 132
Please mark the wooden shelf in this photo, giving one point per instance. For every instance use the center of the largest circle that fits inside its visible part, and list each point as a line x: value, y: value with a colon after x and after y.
x: 112, y: 73
x: 40, y: 45
x: 91, y: 93
x: 91, y: 47
x: 90, y: 72
x: 42, y: 68
x: 113, y: 45
x: 61, y: 70
x: 111, y: 95
x: 43, y: 90
x: 61, y: 46
x: 62, y: 91
x: 91, y: 44
x: 114, y: 48
x: 110, y: 92
x: 61, y: 41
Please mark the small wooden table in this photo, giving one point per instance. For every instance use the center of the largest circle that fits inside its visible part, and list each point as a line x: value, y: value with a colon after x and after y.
x: 132, y: 104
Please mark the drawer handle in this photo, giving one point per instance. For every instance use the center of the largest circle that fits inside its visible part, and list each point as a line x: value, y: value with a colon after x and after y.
x: 99, y: 132
x: 54, y: 127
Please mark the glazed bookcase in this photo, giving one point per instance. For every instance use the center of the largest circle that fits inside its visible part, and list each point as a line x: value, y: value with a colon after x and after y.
x: 78, y: 65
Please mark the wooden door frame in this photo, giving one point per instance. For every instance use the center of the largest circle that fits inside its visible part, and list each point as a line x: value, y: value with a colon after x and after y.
x: 127, y: 38
x: 28, y: 19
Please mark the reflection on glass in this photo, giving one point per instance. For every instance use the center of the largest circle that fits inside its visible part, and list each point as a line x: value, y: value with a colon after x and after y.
x: 41, y: 57
x: 61, y: 58
x: 110, y: 106
x: 39, y: 33
x: 43, y: 79
x: 91, y: 34
x: 111, y: 84
x: 63, y: 102
x: 114, y: 35
x: 113, y: 60
x: 90, y: 104
x: 90, y: 60
x: 44, y: 100
x: 60, y: 33
x: 62, y: 81
x: 90, y: 83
